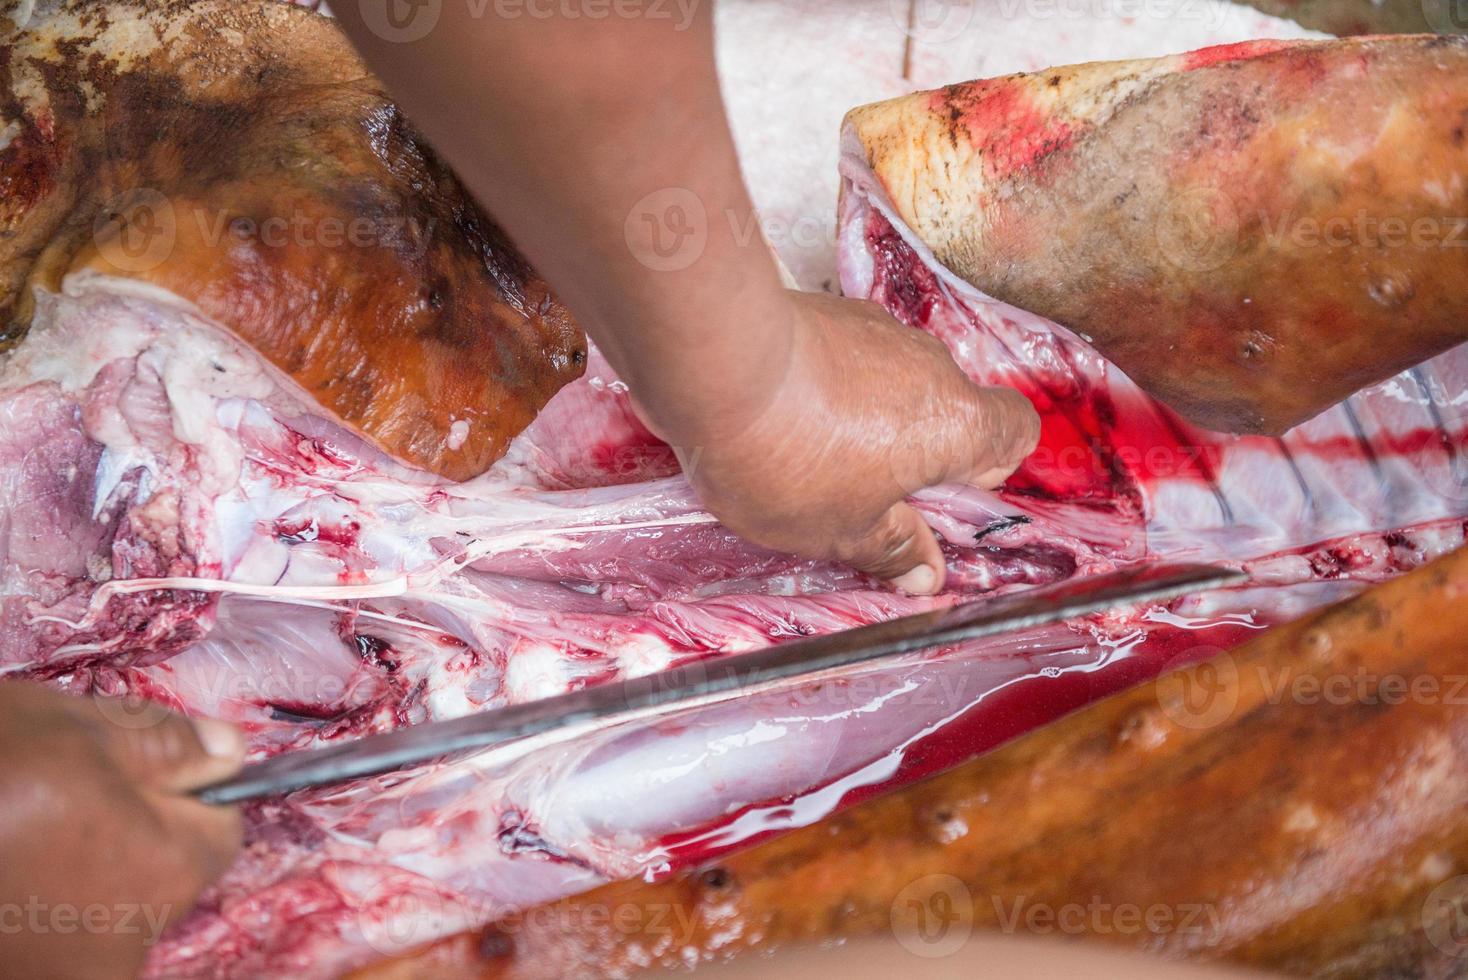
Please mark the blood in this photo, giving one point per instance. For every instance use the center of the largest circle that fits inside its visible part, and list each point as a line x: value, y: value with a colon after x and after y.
x: 375, y: 652
x: 1091, y: 449
x: 1009, y: 130
x: 1219, y: 53
x: 909, y: 288
x: 632, y: 457
x: 301, y: 530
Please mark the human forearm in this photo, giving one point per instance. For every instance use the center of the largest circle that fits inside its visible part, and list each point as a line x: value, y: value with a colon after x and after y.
x: 809, y: 419
x: 563, y: 127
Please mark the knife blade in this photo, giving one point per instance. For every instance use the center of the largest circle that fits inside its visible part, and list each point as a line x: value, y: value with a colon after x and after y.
x: 711, y: 680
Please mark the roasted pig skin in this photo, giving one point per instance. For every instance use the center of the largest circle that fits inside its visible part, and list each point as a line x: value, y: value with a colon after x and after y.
x: 1252, y: 232
x: 290, y: 202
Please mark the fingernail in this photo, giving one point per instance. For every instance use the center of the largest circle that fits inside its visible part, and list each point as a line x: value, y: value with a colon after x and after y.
x: 921, y: 580
x: 220, y: 739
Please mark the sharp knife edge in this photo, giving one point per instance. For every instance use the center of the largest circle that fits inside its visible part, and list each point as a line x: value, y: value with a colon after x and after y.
x: 710, y: 681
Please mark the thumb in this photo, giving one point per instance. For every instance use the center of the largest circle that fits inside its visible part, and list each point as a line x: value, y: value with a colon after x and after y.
x: 165, y: 750
x: 899, y: 549
x: 1005, y: 428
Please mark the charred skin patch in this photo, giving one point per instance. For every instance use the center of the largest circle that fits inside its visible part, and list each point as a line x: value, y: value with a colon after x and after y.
x: 294, y: 204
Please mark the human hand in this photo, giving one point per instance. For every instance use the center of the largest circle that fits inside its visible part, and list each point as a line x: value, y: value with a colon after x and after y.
x: 100, y: 848
x: 865, y: 411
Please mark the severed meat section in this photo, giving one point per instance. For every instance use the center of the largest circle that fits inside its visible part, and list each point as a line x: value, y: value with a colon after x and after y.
x: 240, y: 156
x: 190, y: 521
x: 1241, y: 229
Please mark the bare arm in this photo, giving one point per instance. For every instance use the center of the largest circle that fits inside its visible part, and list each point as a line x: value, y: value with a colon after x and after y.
x: 603, y: 148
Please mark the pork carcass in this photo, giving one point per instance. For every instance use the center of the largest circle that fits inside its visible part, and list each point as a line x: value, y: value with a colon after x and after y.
x: 189, y: 520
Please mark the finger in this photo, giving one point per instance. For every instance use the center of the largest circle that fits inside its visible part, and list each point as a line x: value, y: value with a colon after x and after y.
x: 214, y: 835
x: 901, y: 550
x: 1004, y: 428
x: 193, y: 846
x: 165, y: 750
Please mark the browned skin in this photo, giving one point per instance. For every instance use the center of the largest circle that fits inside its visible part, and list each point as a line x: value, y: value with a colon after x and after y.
x: 253, y: 167
x: 1279, y: 827
x: 1251, y: 239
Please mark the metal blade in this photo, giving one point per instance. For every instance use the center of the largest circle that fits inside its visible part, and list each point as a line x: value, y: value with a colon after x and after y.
x: 713, y: 680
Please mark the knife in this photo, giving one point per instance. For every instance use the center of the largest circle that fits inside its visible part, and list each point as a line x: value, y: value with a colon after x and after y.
x: 711, y: 680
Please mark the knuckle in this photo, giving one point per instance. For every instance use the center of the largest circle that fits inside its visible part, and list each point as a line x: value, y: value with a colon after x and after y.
x: 1009, y: 422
